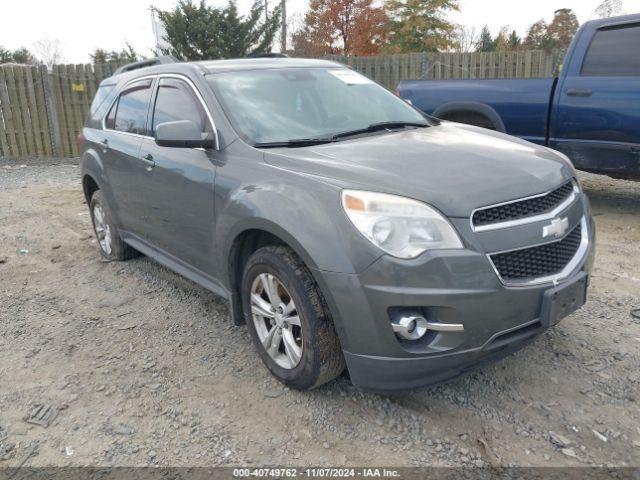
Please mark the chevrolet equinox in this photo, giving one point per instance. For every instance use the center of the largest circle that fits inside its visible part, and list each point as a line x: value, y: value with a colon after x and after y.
x: 344, y: 226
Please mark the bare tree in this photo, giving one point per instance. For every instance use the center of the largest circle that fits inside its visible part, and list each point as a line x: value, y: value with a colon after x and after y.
x: 608, y: 8
x: 465, y: 39
x: 49, y: 51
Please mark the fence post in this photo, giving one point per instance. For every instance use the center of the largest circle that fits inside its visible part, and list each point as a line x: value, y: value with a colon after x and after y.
x: 52, y: 113
x: 424, y: 68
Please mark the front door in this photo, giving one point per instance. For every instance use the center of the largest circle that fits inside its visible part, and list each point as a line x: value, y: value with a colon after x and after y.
x: 597, y: 122
x: 179, y: 182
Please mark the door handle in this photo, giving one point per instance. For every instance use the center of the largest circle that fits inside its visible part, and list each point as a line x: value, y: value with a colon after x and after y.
x: 148, y: 159
x: 104, y: 143
x: 573, y: 92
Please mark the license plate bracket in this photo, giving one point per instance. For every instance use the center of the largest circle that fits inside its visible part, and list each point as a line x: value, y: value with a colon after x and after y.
x: 559, y: 302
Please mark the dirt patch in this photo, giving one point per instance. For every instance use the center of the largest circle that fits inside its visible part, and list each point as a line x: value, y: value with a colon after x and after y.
x: 145, y: 368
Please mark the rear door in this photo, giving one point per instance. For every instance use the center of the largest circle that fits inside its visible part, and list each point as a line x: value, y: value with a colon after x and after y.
x: 179, y: 182
x: 597, y: 121
x: 125, y: 126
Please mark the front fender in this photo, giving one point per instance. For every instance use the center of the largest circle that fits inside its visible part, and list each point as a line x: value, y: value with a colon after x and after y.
x: 303, y: 212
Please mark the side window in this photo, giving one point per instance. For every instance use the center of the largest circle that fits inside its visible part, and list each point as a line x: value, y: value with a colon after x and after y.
x: 177, y: 101
x: 129, y: 113
x: 613, y: 52
x: 100, y: 101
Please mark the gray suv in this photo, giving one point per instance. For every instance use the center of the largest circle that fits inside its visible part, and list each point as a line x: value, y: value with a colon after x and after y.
x: 345, y: 227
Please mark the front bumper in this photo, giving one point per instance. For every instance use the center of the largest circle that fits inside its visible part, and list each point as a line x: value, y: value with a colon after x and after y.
x: 388, y: 374
x: 451, y: 287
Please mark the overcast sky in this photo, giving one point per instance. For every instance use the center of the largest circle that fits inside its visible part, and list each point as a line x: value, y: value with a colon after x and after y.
x: 82, y: 25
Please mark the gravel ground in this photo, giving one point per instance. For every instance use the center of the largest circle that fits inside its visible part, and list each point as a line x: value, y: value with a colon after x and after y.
x: 143, y: 367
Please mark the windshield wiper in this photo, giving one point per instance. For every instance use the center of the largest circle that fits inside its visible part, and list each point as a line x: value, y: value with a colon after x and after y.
x: 376, y: 127
x: 298, y: 142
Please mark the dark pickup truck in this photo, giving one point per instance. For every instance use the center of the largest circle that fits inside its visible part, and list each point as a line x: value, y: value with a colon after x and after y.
x: 591, y: 112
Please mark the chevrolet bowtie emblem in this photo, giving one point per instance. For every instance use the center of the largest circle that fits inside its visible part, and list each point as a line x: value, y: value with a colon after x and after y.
x: 557, y: 228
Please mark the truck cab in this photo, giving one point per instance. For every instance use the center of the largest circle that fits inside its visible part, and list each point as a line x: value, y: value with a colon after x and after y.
x: 590, y: 112
x: 595, y: 117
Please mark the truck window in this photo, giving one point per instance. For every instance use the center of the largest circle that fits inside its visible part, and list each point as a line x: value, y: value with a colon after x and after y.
x: 613, y: 52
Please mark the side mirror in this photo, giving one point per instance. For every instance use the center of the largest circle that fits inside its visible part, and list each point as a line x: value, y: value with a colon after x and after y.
x: 183, y: 134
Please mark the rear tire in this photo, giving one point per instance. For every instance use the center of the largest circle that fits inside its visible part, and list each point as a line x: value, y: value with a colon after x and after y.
x: 288, y: 319
x: 111, y: 245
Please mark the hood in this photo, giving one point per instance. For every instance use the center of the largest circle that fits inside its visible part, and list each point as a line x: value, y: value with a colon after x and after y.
x: 455, y: 168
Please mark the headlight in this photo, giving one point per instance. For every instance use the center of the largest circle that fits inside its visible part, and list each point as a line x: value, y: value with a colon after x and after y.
x: 400, y: 226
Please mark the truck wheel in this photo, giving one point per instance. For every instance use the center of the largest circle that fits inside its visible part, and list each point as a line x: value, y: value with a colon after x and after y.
x: 289, y: 320
x: 111, y: 245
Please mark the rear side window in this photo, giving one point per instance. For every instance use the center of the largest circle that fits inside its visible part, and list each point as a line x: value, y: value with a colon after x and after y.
x: 175, y: 101
x: 614, y: 52
x: 100, y: 98
x: 129, y: 113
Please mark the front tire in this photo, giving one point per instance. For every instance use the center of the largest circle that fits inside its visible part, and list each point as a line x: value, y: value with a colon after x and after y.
x: 288, y: 319
x: 111, y: 245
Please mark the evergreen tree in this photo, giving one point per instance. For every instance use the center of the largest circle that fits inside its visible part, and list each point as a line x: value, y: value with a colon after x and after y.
x: 421, y: 25
x: 5, y: 55
x: 200, y: 32
x: 126, y: 55
x: 486, y: 42
x: 514, y: 42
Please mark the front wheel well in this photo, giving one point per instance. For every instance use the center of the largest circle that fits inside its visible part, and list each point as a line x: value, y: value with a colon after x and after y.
x: 242, y: 248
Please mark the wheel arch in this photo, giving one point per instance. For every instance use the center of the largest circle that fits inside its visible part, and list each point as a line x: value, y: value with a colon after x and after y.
x: 89, y: 186
x: 243, y: 243
x: 472, y: 107
x: 92, y: 174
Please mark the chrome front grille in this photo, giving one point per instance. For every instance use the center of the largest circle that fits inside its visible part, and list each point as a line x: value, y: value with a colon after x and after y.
x: 523, y: 210
x: 541, y: 261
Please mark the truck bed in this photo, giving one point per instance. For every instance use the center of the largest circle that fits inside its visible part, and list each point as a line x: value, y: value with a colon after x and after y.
x: 522, y: 104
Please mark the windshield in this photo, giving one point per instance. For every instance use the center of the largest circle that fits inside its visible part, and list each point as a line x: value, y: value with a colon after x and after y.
x: 281, y: 105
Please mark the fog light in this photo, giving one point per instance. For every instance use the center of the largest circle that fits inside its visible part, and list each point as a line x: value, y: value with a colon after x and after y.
x: 410, y: 327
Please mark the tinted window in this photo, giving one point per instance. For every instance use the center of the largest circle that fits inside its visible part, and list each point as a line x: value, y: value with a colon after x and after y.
x: 614, y: 52
x: 131, y: 112
x: 177, y: 101
x: 99, y: 101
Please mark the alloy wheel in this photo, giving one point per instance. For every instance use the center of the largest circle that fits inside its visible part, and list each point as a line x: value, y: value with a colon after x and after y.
x: 276, y: 320
x: 103, y: 230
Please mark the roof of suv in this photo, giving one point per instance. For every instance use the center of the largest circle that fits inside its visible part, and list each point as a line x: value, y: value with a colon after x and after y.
x: 217, y: 66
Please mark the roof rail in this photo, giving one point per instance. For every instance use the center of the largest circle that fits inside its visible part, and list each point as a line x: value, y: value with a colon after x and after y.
x: 150, y: 62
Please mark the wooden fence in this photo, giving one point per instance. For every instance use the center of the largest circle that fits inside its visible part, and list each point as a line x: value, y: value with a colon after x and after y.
x: 388, y: 70
x: 41, y: 111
